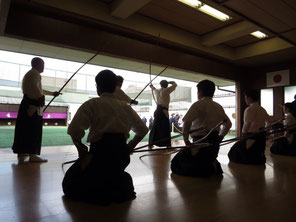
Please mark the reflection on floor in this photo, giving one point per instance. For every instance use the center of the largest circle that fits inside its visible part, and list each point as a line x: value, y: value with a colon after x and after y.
x: 32, y: 192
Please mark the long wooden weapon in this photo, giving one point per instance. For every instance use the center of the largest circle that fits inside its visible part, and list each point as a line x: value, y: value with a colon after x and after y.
x: 150, y: 82
x: 265, y: 131
x: 173, y: 137
x: 70, y: 79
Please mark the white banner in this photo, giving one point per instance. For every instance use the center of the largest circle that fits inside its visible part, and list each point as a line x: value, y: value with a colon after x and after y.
x: 278, y: 78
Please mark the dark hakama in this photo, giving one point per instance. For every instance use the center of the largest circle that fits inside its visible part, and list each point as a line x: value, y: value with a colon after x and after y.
x: 254, y: 155
x: 104, y: 180
x: 282, y: 147
x: 28, y: 129
x: 203, y: 164
x: 161, y: 128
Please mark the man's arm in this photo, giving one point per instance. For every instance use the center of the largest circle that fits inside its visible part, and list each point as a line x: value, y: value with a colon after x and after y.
x: 139, y: 128
x: 188, y: 119
x: 49, y: 93
x: 248, y: 118
x: 186, y: 128
x: 225, y: 127
x: 77, y: 127
x: 172, y: 87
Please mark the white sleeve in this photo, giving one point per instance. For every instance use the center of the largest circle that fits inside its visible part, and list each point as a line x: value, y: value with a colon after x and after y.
x: 80, y: 122
x: 189, y: 117
x: 138, y: 127
x: 122, y: 96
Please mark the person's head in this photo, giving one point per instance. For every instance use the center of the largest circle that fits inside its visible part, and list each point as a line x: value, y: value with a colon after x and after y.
x: 251, y: 96
x: 38, y: 64
x: 119, y: 81
x: 288, y: 108
x: 106, y: 82
x: 164, y: 84
x: 205, y: 88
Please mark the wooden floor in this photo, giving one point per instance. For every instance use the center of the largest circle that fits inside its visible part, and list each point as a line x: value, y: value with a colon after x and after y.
x: 32, y: 192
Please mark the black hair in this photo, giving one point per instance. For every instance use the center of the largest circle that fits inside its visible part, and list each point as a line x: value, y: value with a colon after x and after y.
x: 106, y: 81
x: 253, y: 94
x: 207, y: 88
x: 120, y: 79
x: 164, y: 83
x: 36, y: 61
x: 291, y: 108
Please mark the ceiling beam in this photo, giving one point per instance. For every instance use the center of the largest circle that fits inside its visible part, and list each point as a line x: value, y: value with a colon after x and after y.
x: 4, y: 8
x: 257, y: 23
x: 262, y: 47
x: 228, y: 33
x: 124, y: 8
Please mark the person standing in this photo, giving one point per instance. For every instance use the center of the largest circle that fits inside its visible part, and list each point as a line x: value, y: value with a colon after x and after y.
x: 161, y: 124
x: 150, y: 122
x: 251, y: 151
x: 176, y: 122
x: 28, y: 128
x: 120, y: 94
x: 144, y: 120
x: 172, y: 119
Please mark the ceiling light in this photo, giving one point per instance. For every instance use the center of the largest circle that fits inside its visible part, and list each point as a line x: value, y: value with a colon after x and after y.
x: 259, y: 34
x: 206, y: 9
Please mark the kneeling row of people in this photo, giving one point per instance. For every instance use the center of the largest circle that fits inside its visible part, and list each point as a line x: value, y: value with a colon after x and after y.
x: 99, y: 174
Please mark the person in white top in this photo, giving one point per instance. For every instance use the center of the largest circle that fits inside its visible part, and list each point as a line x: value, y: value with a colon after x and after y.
x: 251, y: 151
x: 98, y: 175
x: 286, y: 145
x: 28, y: 129
x: 206, y: 114
x: 121, y: 95
x: 161, y: 125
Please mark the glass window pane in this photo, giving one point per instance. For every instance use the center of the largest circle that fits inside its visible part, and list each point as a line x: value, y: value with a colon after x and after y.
x: 290, y: 92
x: 267, y: 100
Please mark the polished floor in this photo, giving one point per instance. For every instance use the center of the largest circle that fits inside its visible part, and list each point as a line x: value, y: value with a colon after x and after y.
x: 32, y: 191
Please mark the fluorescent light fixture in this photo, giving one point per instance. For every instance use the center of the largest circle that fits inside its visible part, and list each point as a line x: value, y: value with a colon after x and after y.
x: 259, y: 35
x: 206, y: 9
x: 192, y: 3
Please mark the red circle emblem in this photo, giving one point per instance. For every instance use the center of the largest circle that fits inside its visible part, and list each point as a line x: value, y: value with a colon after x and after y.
x: 277, y: 78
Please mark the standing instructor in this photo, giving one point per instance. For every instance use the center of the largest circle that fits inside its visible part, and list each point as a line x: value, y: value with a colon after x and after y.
x: 28, y: 128
x: 161, y: 124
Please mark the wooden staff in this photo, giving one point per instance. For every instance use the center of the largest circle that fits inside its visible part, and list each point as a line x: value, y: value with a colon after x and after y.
x: 70, y: 79
x: 150, y: 82
x: 176, y: 136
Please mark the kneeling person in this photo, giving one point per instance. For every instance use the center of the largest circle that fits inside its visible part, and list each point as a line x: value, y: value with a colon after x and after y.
x: 207, y: 114
x: 98, y: 175
x: 251, y: 151
x: 286, y: 145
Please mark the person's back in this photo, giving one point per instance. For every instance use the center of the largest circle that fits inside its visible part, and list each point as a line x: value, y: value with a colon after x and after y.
x: 255, y: 118
x: 251, y: 150
x: 98, y: 175
x: 206, y: 114
x: 162, y: 95
x: 99, y: 110
x: 160, y: 132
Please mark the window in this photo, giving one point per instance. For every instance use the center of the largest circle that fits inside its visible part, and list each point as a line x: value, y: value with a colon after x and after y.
x: 267, y: 100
